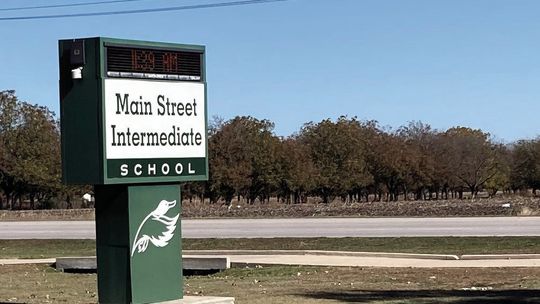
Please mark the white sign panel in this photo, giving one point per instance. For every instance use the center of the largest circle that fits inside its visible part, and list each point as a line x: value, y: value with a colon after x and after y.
x: 148, y: 119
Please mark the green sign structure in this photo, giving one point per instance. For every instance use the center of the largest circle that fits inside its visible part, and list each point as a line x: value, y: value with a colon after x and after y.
x: 132, y: 112
x: 155, y: 242
x: 134, y: 124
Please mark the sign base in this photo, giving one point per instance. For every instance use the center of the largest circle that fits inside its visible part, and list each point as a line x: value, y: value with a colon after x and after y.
x: 203, y: 300
x: 138, y: 242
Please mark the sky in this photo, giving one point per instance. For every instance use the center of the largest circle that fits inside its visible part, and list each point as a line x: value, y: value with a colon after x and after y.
x: 472, y: 63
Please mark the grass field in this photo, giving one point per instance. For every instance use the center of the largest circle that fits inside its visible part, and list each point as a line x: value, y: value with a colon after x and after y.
x: 441, y: 245
x: 42, y: 284
x: 298, y: 284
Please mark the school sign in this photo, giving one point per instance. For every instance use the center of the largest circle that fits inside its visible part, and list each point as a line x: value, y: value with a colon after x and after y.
x: 137, y: 112
x: 154, y: 129
x: 134, y: 125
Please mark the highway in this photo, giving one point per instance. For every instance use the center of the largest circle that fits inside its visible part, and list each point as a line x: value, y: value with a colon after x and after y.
x: 300, y: 227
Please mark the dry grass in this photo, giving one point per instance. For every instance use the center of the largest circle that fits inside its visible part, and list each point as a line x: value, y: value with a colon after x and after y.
x: 42, y: 284
x: 435, y: 245
x: 372, y: 285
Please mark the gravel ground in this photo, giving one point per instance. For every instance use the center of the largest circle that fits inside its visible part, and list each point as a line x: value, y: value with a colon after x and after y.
x: 502, y: 206
x: 521, y: 206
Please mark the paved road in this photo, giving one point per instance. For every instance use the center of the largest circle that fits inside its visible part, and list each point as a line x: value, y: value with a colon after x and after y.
x: 305, y: 227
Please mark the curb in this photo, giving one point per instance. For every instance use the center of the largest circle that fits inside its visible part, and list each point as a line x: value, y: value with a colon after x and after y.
x: 27, y: 261
x: 325, y: 253
x: 225, y: 253
x: 499, y: 256
x: 395, y: 255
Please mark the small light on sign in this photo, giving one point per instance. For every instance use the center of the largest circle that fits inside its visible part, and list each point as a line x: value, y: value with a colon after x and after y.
x: 76, y: 73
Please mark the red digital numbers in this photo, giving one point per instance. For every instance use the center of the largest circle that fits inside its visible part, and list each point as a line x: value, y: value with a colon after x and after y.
x: 143, y: 60
x: 170, y: 62
x: 151, y: 61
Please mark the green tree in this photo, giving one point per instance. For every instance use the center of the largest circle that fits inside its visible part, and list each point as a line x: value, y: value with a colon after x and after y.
x: 501, y: 178
x: 419, y: 141
x: 525, y: 165
x: 30, y: 154
x: 243, y: 159
x: 9, y: 120
x: 472, y: 156
x: 296, y: 171
x: 338, y: 151
x: 391, y: 164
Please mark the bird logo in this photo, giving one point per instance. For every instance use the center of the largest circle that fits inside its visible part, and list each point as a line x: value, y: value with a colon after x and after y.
x: 166, y: 225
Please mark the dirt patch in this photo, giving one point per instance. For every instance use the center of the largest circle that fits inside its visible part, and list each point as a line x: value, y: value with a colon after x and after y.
x: 47, y: 215
x: 515, y: 206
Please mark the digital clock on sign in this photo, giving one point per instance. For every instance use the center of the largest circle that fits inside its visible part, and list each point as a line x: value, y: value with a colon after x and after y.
x: 152, y: 63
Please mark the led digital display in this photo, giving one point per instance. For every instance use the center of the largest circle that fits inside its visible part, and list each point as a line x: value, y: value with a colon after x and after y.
x: 136, y: 63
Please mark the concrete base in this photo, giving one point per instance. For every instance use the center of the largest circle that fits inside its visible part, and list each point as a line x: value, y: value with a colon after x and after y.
x: 209, y: 263
x: 202, y: 300
x: 207, y: 300
x: 192, y: 262
x: 76, y: 263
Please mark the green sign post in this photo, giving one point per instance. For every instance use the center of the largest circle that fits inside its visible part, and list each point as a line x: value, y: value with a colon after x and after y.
x: 134, y: 124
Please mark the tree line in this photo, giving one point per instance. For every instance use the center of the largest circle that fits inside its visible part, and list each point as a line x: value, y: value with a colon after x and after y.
x: 347, y: 158
x: 30, y: 164
x: 356, y: 161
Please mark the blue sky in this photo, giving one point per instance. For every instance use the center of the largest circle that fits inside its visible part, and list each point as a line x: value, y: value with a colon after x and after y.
x: 472, y: 63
